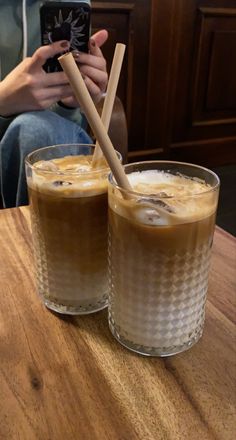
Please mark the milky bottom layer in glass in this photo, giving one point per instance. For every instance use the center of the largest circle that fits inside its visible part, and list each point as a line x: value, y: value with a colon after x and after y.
x: 70, y: 241
x: 157, y: 294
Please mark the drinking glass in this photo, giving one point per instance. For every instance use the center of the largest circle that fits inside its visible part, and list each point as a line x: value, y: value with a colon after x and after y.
x: 68, y: 207
x: 160, y: 239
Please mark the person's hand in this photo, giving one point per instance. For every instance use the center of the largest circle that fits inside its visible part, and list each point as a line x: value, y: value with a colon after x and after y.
x: 28, y: 87
x: 92, y: 66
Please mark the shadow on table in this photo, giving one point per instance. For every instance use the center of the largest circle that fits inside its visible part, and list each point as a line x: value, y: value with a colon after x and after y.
x: 95, y: 325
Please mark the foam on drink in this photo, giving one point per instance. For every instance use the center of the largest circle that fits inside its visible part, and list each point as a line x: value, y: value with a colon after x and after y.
x: 166, y: 198
x: 69, y: 176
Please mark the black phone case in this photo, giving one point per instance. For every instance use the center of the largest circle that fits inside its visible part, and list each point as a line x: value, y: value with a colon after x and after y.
x: 64, y: 21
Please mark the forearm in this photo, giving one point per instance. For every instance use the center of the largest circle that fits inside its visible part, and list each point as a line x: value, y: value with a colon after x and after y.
x: 6, y: 115
x: 4, y: 107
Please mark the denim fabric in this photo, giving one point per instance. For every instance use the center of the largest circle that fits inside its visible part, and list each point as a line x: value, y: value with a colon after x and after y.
x: 26, y: 133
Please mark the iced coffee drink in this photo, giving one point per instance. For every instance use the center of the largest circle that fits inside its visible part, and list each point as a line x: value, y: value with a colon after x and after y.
x: 68, y: 201
x: 160, y: 237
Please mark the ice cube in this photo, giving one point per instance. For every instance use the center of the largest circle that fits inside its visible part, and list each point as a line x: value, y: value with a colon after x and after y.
x: 158, y: 203
x: 87, y: 184
x: 46, y: 165
x: 61, y: 183
x: 83, y: 168
x: 154, y: 211
x: 148, y: 216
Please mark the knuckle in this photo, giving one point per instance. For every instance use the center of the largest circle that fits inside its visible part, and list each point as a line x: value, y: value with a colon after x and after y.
x: 37, y: 53
x: 30, y: 81
x: 38, y: 56
x: 36, y: 98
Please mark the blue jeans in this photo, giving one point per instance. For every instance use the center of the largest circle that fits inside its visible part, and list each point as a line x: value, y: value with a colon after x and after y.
x: 26, y: 133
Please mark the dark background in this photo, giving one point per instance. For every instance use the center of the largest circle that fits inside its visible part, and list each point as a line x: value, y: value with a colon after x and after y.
x: 178, y: 83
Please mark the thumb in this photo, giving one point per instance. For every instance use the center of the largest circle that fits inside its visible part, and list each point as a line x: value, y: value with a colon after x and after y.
x: 100, y: 37
x: 41, y: 55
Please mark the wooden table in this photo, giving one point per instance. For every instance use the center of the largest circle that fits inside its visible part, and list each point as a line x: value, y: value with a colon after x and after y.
x: 67, y: 378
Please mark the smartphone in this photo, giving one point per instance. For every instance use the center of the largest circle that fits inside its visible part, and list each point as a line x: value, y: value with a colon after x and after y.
x: 64, y: 21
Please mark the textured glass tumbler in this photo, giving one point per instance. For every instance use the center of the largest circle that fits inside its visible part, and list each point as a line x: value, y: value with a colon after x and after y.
x: 69, y: 227
x: 159, y: 256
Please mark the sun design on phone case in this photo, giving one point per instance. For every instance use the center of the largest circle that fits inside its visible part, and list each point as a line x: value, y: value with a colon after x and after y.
x: 68, y: 29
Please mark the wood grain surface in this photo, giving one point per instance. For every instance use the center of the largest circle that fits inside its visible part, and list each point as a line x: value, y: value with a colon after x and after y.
x: 67, y: 378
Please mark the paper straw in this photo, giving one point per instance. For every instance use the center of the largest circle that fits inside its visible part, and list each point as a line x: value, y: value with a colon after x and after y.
x: 110, y: 94
x: 82, y: 95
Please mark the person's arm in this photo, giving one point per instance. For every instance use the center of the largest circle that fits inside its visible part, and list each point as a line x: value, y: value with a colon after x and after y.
x: 28, y: 87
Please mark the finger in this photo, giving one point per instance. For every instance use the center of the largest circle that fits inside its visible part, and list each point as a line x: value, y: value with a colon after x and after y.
x: 57, y: 93
x: 41, y: 55
x: 96, y: 41
x: 100, y: 37
x: 93, y: 89
x: 52, y: 94
x: 53, y: 79
x: 71, y: 101
x: 94, y: 49
x: 90, y: 60
x: 97, y: 76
